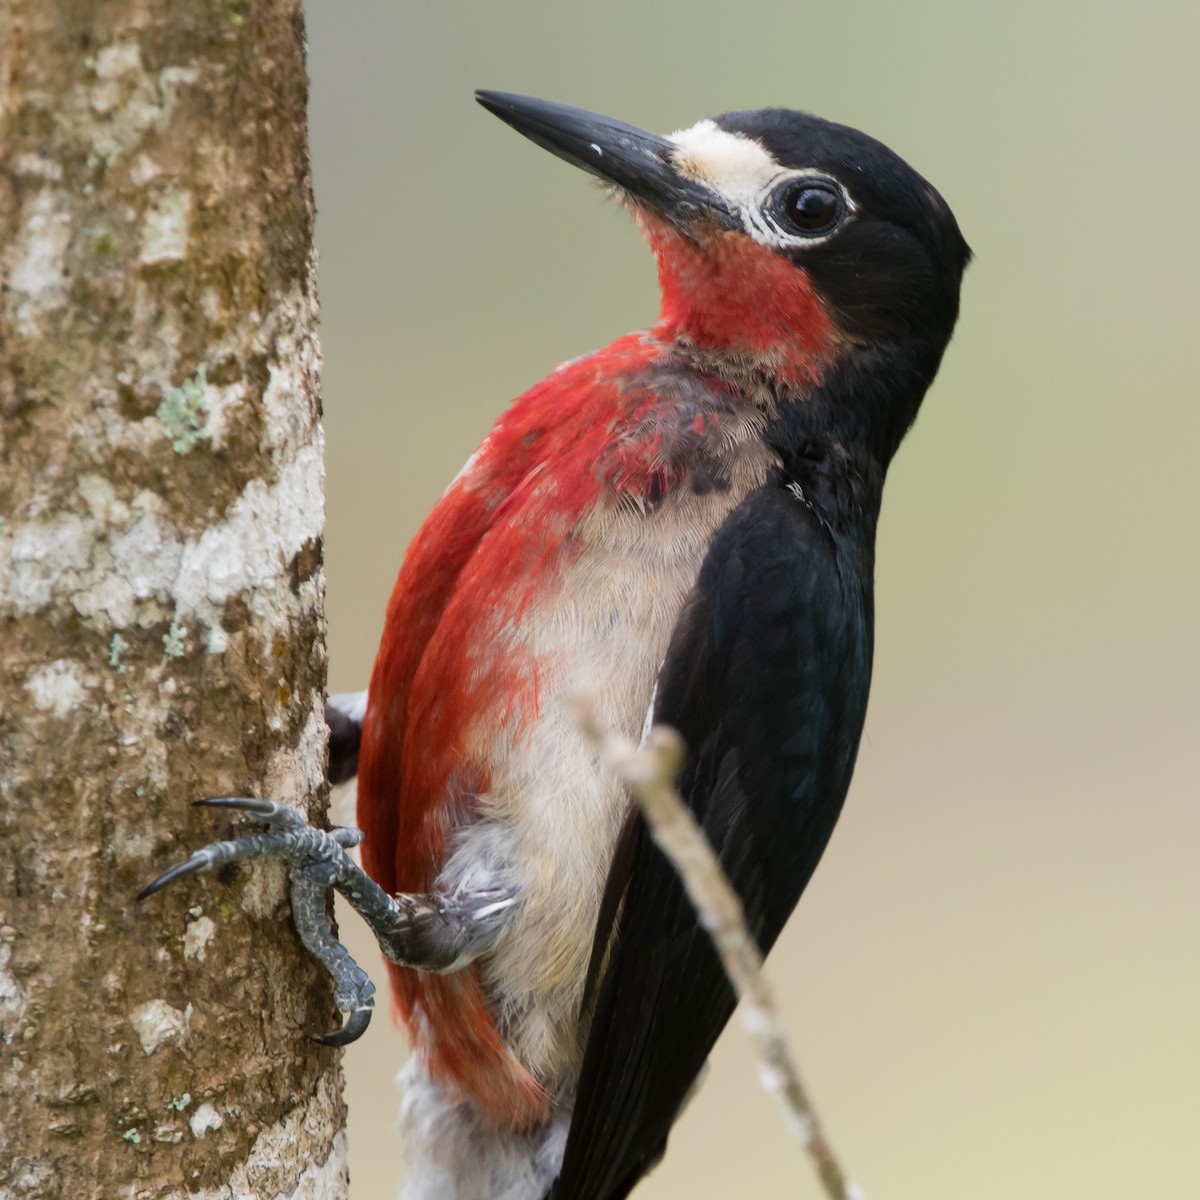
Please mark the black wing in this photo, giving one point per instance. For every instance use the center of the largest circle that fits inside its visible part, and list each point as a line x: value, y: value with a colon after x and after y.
x: 766, y: 678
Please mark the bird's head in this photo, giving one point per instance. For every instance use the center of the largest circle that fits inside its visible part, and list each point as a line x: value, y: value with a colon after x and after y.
x: 783, y: 241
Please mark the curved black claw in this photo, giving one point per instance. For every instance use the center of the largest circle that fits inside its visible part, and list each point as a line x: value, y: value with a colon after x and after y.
x: 193, y: 866
x: 355, y: 1026
x: 218, y: 853
x: 251, y: 804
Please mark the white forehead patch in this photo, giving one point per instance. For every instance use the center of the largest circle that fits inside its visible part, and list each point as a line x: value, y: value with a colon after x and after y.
x: 743, y: 173
x: 732, y: 164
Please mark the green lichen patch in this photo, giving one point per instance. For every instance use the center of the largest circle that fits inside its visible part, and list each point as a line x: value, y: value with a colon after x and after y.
x: 182, y: 413
x: 175, y: 641
x: 116, y: 648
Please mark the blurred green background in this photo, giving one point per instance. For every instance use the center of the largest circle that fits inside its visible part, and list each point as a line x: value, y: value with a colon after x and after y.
x: 993, y: 982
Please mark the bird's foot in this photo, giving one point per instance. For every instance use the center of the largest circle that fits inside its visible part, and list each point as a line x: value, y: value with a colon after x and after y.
x: 317, y: 860
x: 425, y: 931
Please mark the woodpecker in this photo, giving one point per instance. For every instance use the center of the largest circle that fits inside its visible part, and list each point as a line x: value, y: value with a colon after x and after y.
x: 680, y: 526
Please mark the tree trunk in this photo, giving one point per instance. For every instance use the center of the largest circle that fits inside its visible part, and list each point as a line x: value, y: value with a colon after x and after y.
x: 160, y: 599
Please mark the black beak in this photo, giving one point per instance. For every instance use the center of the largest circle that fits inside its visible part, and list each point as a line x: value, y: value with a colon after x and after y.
x: 640, y: 163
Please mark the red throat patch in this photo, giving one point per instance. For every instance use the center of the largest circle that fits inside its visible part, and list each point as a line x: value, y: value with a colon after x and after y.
x: 726, y: 292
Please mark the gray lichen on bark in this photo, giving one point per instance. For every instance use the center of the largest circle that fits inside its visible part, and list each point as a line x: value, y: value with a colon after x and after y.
x: 160, y: 598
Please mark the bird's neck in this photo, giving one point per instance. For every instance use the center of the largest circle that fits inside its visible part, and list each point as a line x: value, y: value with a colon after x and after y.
x: 735, y: 299
x: 837, y: 439
x: 736, y: 309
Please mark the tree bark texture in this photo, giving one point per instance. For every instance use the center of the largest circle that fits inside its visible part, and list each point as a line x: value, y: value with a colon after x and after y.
x: 160, y: 600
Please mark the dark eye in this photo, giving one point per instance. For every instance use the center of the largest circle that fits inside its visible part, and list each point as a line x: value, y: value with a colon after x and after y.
x: 812, y: 207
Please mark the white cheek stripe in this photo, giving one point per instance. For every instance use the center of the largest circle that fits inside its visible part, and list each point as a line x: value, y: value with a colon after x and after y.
x: 743, y: 174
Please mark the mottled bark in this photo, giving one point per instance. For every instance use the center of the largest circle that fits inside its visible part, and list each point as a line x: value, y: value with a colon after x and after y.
x: 160, y: 599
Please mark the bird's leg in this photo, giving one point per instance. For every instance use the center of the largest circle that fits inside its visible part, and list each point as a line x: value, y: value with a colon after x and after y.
x: 428, y: 932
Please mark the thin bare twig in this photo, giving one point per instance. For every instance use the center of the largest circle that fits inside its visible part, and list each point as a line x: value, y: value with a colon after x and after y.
x: 650, y: 772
